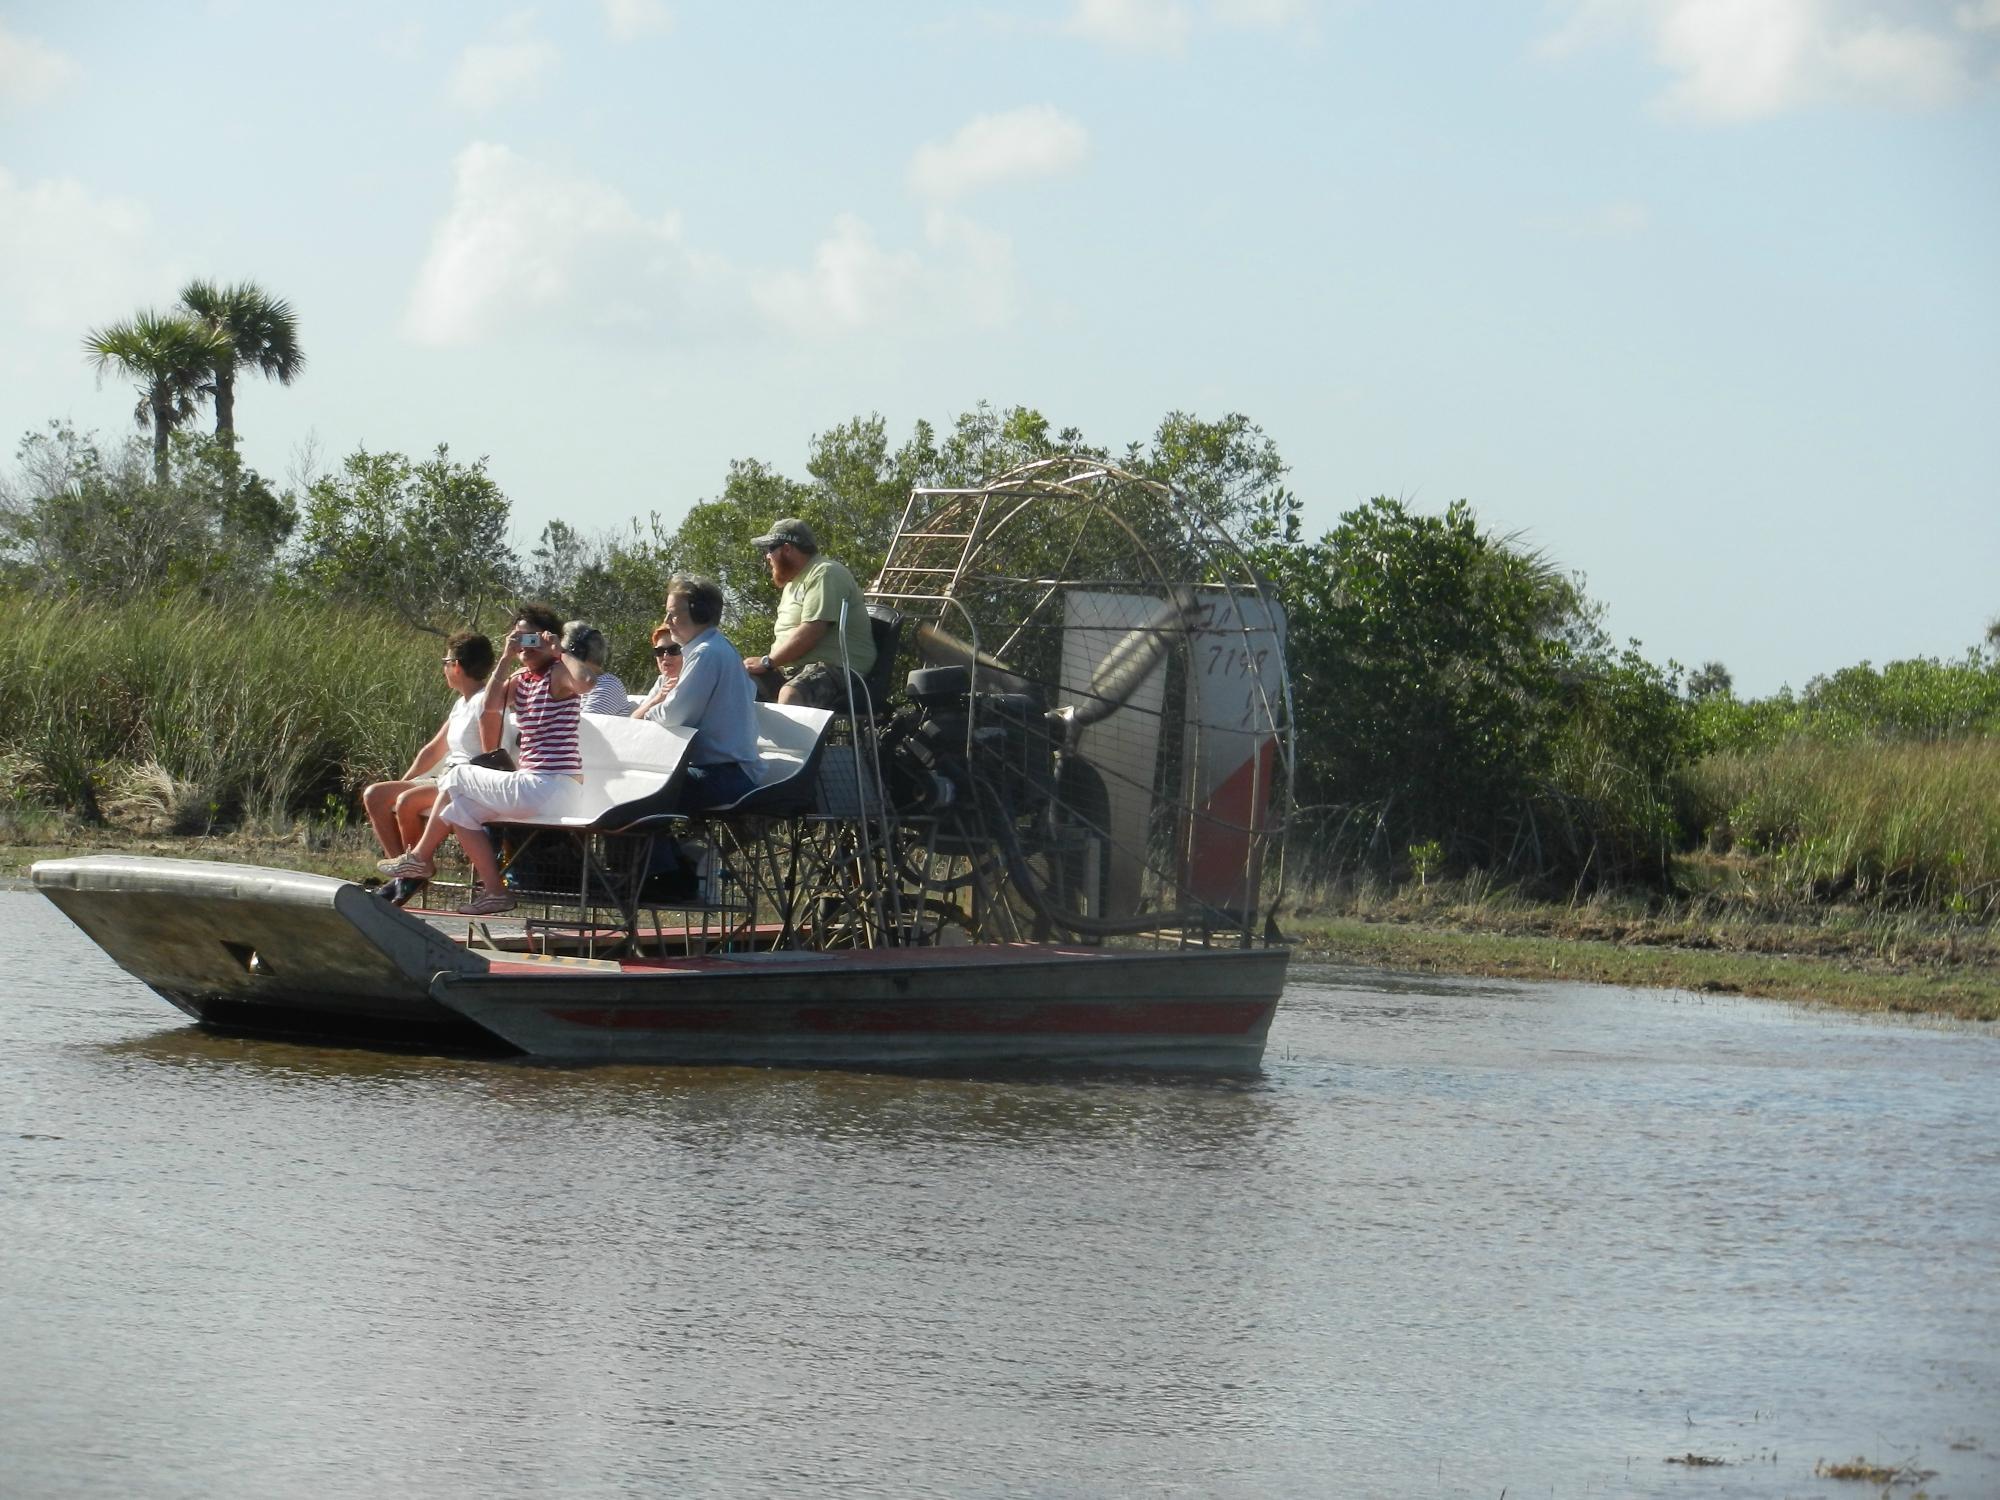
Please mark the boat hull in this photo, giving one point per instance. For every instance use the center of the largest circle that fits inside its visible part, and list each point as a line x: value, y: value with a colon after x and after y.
x: 273, y: 952
x: 1195, y: 1009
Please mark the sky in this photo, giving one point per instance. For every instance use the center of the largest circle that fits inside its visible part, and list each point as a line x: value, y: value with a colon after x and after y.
x: 1700, y: 298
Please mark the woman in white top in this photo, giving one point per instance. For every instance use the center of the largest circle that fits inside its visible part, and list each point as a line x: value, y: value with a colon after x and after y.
x: 397, y: 809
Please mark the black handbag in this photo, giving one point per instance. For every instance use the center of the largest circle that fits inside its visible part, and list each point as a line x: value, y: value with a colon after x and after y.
x: 494, y: 760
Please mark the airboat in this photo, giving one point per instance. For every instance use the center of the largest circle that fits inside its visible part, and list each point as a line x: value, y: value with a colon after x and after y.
x: 1057, y: 839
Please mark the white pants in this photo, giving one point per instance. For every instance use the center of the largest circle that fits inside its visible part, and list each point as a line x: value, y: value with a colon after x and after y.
x: 476, y: 795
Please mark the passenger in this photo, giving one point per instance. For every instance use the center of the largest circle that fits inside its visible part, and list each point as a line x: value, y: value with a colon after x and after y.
x: 607, y: 694
x: 703, y: 686
x: 545, y: 696
x: 806, y: 646
x: 397, y: 809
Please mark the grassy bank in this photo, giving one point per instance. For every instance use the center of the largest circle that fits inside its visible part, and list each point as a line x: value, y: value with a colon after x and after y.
x: 181, y: 718
x: 1853, y: 959
x: 1884, y: 823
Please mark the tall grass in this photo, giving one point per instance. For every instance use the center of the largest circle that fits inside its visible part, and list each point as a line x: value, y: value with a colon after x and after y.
x: 260, y: 710
x: 1882, y: 822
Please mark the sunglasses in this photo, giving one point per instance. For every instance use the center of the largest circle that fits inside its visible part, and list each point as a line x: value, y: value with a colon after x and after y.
x: 449, y: 661
x: 665, y: 648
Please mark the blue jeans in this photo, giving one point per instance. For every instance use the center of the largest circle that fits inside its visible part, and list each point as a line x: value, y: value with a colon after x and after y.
x: 714, y: 786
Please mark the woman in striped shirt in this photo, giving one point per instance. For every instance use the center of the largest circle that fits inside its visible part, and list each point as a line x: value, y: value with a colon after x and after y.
x: 545, y: 695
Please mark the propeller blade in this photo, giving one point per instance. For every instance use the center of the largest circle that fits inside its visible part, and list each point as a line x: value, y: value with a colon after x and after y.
x: 939, y: 648
x: 1131, y: 660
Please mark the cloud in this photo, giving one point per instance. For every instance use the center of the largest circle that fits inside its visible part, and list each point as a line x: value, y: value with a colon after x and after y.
x: 524, y: 246
x: 1132, y: 25
x: 628, y: 20
x: 507, y: 68
x: 1261, y: 15
x: 1751, y: 59
x: 30, y: 72
x: 855, y: 285
x: 1036, y: 141
x: 403, y: 42
x: 521, y: 239
x: 1620, y: 219
x: 75, y: 261
x: 1164, y: 26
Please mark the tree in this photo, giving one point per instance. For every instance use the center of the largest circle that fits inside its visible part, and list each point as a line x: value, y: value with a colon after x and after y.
x: 173, y: 357
x: 263, y: 336
x: 1711, y: 680
x: 81, y: 520
x: 425, y: 540
x: 617, y: 580
x: 1228, y: 470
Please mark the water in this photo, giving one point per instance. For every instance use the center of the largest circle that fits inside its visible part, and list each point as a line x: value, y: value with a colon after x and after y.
x: 1459, y: 1238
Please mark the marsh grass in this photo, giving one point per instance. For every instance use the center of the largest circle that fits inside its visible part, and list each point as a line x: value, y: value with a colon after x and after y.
x: 1879, y: 823
x: 198, y: 715
x: 1730, y: 936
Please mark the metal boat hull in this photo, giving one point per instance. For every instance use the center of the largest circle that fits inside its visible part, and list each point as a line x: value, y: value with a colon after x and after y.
x: 279, y: 953
x: 1195, y: 1009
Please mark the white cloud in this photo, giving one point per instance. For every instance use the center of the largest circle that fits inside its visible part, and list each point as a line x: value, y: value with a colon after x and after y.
x: 854, y: 285
x: 1750, y: 59
x: 521, y: 239
x: 74, y: 260
x: 31, y: 72
x: 1166, y: 25
x: 1263, y: 15
x: 1132, y: 25
x: 403, y: 42
x: 523, y: 246
x: 511, y: 66
x: 1036, y: 141
x: 1620, y: 219
x: 628, y: 20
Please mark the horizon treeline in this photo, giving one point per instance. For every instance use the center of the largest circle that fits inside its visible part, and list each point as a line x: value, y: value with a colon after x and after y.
x: 182, y: 635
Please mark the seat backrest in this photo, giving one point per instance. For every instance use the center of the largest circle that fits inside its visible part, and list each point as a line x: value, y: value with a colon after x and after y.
x: 787, y: 738
x: 886, y: 625
x: 632, y: 768
x: 789, y: 742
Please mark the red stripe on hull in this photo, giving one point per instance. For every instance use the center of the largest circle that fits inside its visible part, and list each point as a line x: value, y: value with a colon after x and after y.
x: 1154, y: 1018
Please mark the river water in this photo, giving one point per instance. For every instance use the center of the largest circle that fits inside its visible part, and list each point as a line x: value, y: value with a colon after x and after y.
x: 1459, y: 1238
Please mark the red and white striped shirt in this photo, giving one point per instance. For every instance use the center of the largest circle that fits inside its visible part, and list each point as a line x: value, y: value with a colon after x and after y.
x: 548, y: 727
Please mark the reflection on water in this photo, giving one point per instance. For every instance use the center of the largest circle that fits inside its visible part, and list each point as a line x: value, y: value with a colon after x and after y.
x: 1458, y: 1238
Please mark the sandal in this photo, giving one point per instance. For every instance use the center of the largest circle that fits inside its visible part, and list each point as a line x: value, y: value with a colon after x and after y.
x: 406, y: 867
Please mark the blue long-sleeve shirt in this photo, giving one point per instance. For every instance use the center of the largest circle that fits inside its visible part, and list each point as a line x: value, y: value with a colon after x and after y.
x: 714, y: 697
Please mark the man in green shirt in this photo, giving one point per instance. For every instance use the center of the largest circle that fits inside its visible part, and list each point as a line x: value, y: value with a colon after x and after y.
x: 805, y: 652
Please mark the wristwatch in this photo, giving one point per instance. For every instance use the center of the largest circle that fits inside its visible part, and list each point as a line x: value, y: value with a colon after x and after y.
x: 768, y: 664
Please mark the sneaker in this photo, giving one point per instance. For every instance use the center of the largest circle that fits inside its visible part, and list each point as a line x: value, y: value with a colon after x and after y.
x: 406, y: 867
x: 399, y: 892
x: 485, y: 903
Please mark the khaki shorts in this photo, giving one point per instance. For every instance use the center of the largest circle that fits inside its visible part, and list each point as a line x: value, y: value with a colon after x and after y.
x: 817, y: 684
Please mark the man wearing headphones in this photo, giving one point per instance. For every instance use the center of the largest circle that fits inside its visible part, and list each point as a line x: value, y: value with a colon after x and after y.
x: 703, y: 686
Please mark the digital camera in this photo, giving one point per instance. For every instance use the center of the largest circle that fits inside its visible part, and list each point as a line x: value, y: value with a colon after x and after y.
x: 529, y: 640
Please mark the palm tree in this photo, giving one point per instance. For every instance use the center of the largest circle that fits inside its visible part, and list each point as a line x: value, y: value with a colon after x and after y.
x: 263, y: 336
x: 172, y: 356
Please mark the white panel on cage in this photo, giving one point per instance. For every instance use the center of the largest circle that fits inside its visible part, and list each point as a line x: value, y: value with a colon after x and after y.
x: 1124, y: 745
x: 1232, y: 743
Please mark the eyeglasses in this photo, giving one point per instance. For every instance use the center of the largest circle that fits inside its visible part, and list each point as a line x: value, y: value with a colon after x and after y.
x: 665, y: 648
x: 449, y: 661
